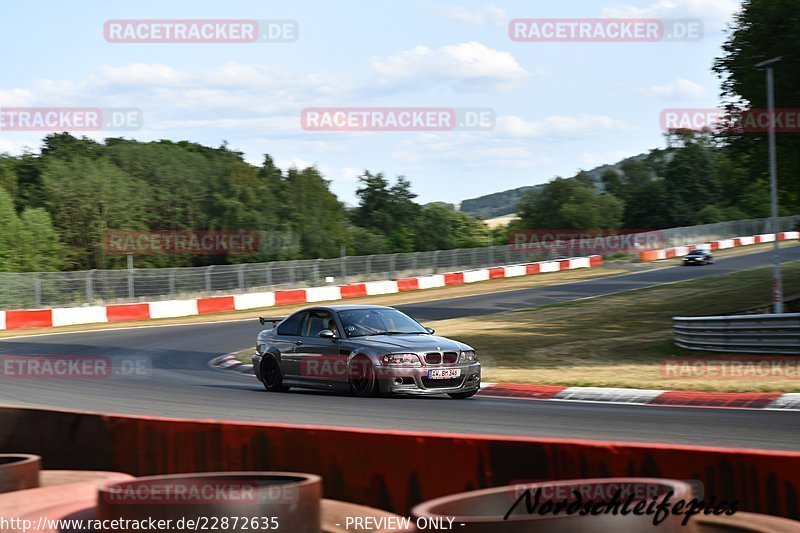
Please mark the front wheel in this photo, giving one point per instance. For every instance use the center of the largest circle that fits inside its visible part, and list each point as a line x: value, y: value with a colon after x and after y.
x: 363, y: 382
x: 271, y: 375
x: 462, y: 395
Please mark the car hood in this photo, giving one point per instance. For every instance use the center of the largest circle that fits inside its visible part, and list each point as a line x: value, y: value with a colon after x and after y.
x: 412, y: 343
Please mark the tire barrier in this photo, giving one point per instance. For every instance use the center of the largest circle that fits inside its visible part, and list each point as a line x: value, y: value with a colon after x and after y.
x: 363, y: 466
x: 290, y: 501
x: 121, y: 497
x: 70, y: 316
x: 484, y: 511
x: 19, y: 472
x: 744, y: 523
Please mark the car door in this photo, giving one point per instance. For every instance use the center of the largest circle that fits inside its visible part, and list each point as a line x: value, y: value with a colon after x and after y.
x: 317, y: 356
x: 288, y: 339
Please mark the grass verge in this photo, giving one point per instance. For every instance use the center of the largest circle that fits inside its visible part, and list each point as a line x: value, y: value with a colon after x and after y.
x: 618, y: 340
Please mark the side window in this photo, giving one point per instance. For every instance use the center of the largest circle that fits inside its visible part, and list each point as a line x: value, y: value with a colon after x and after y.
x: 317, y: 321
x: 293, y: 325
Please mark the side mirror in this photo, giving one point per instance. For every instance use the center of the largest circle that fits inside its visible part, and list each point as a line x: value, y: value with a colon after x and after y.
x: 327, y: 334
x: 430, y: 330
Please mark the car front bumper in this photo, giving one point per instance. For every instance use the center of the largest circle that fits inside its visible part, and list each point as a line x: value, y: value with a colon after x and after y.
x: 407, y: 380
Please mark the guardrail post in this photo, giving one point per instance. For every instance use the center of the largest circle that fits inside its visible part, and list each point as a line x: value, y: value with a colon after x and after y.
x: 392, y: 264
x: 316, y: 272
x: 268, y: 272
x: 369, y: 266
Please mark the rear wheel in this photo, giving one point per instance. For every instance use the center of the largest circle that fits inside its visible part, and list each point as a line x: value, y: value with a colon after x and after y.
x: 271, y: 375
x: 462, y: 395
x: 363, y: 382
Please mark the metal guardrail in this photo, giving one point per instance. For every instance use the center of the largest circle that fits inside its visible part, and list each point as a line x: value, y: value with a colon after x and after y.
x: 753, y: 334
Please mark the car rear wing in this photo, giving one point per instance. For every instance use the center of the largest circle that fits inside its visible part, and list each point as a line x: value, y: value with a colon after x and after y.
x: 270, y: 320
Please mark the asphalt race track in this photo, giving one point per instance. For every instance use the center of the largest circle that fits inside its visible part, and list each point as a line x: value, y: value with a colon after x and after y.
x: 181, y: 384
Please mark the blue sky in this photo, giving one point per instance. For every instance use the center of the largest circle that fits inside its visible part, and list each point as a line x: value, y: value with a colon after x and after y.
x: 560, y: 107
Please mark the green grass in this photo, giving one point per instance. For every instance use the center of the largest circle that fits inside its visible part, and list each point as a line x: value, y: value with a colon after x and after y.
x: 618, y: 340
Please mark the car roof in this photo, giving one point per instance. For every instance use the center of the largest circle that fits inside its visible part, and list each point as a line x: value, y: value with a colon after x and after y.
x: 346, y: 307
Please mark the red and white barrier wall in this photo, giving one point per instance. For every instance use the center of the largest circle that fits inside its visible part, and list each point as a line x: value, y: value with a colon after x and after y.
x: 678, y: 251
x: 68, y: 316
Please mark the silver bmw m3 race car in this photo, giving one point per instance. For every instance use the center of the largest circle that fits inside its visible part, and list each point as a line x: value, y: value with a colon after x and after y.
x: 364, y: 349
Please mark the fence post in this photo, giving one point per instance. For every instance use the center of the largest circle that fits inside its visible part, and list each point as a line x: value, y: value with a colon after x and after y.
x: 343, y: 259
x: 414, y: 257
x: 369, y: 267
x: 292, y: 273
x: 316, y: 272
x: 37, y: 291
x: 268, y: 272
x: 240, y: 275
x: 208, y: 277
x: 131, y: 288
x: 392, y: 264
x: 89, y: 287
x: 172, y: 281
x: 435, y: 262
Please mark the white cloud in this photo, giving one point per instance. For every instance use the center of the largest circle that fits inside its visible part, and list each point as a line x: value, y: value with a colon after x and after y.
x: 15, y: 98
x: 715, y: 12
x: 678, y: 89
x: 490, y: 15
x: 558, y: 126
x: 465, y: 67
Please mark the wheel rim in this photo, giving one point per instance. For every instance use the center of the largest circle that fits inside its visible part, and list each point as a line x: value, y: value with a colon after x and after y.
x: 271, y: 373
x: 361, y: 376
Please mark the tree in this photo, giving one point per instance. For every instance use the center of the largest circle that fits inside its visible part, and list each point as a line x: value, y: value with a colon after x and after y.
x: 570, y: 204
x: 388, y: 210
x: 39, y: 248
x: 762, y: 30
x: 691, y: 182
x: 441, y: 228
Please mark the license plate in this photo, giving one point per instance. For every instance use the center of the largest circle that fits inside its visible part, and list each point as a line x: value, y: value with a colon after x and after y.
x: 444, y: 373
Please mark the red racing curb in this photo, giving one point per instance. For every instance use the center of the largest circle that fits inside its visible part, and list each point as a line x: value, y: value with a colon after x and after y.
x: 756, y: 400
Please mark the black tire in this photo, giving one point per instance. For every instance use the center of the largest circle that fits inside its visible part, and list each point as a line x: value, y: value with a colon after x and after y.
x: 361, y: 376
x: 462, y: 395
x: 271, y: 375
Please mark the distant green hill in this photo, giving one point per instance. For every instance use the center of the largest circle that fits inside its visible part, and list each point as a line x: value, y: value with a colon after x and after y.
x: 505, y: 202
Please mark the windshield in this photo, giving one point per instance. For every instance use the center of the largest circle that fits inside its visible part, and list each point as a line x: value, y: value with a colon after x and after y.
x: 363, y: 322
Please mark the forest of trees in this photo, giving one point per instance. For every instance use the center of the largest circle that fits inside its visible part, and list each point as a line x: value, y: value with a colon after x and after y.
x: 57, y: 206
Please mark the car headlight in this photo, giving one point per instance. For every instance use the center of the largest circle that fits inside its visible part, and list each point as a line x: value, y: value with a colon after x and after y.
x: 401, y: 359
x: 468, y: 356
x: 261, y: 348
